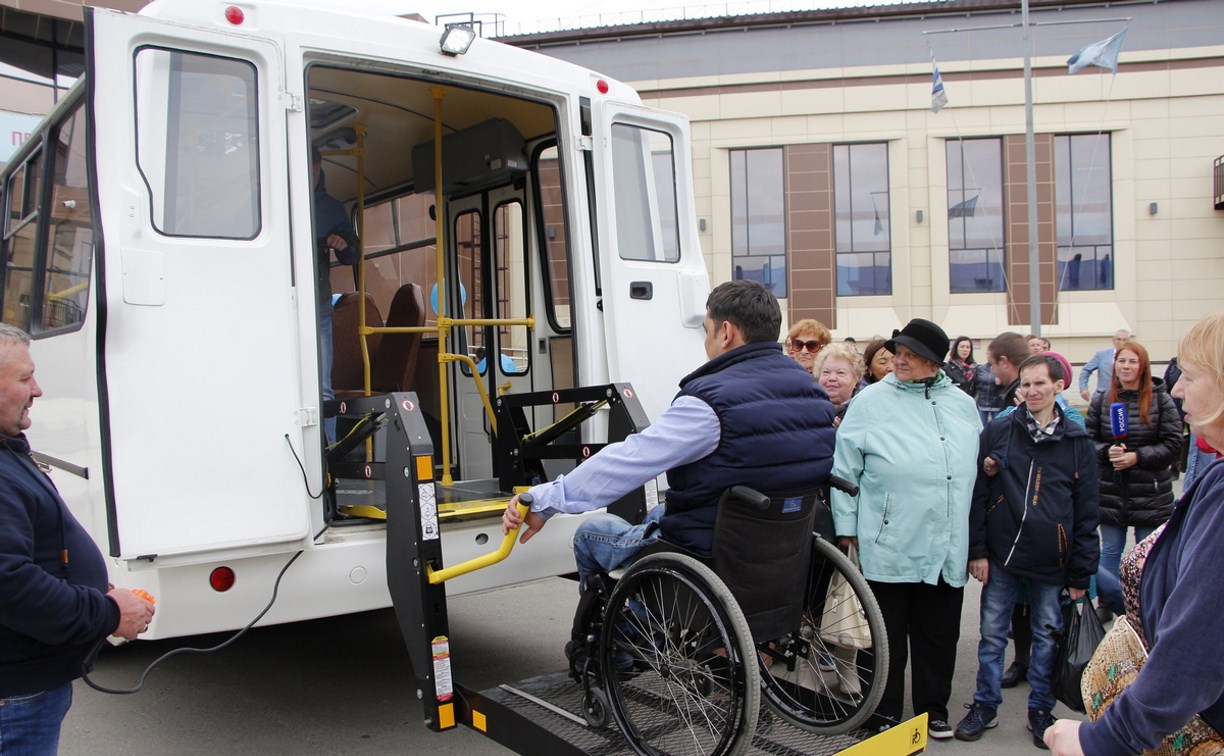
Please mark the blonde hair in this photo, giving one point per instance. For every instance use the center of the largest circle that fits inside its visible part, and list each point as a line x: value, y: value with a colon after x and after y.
x: 809, y: 325
x: 1203, y: 347
x: 847, y: 353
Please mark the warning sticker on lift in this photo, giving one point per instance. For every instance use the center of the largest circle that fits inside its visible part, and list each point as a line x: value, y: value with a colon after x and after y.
x: 429, y: 511
x: 442, y: 668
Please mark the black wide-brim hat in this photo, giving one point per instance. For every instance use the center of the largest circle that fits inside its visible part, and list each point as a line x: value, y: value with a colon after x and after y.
x: 924, y: 338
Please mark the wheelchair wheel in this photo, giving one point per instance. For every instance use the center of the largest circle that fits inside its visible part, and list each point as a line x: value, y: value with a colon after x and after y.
x: 678, y: 660
x: 816, y: 684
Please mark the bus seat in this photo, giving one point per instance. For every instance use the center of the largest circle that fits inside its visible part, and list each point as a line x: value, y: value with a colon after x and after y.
x: 395, y: 361
x: 347, y: 377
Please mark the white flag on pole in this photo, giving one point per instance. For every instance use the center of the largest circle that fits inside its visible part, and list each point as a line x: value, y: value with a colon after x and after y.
x: 1103, y: 54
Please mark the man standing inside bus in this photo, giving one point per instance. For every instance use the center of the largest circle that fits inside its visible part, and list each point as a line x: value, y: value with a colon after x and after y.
x: 750, y: 416
x: 55, y: 602
x: 333, y: 233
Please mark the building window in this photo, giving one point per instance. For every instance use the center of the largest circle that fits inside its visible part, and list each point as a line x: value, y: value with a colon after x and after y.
x: 758, y: 217
x: 975, y: 215
x: 1085, y: 212
x: 863, y: 232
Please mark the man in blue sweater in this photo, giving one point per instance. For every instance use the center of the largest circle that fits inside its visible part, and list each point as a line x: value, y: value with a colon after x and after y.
x: 55, y: 601
x: 1033, y: 518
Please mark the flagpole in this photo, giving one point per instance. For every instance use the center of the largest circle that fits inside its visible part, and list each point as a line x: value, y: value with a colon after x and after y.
x: 1030, y: 166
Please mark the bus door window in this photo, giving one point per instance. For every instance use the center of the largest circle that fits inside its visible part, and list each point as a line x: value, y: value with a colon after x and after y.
x: 197, y: 143
x: 510, y: 287
x: 645, y: 183
x: 469, y: 260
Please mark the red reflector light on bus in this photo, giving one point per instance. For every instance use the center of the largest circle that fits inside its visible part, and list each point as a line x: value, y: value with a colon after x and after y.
x: 221, y: 579
x: 602, y: 86
x: 234, y: 15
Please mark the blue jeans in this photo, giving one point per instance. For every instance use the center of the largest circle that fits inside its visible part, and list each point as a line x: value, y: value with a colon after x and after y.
x: 605, y: 541
x: 1113, y: 540
x: 326, y: 358
x: 30, y: 724
x: 998, y: 597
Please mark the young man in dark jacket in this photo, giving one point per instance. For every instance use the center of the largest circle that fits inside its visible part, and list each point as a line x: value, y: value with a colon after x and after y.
x: 1033, y: 519
x: 55, y: 602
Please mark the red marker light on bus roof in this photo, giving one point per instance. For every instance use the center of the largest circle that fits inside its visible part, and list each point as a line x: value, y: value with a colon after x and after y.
x: 221, y: 579
x: 602, y: 86
x: 234, y: 15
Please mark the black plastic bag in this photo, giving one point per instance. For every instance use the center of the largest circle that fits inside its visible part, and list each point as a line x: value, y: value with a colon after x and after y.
x: 1082, y: 633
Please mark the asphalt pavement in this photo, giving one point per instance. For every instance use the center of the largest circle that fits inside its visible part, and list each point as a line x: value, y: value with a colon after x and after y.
x: 343, y: 685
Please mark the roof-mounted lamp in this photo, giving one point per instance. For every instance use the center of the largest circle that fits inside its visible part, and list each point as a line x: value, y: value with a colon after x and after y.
x: 456, y: 40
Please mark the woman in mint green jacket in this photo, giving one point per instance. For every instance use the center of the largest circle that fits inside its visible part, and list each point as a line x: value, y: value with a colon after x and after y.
x: 910, y: 442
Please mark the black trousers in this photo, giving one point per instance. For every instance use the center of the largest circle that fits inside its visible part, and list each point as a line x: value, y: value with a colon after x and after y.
x: 924, y: 619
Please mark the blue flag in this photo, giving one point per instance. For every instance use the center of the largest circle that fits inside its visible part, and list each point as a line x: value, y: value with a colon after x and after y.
x: 1103, y: 54
x: 939, y: 98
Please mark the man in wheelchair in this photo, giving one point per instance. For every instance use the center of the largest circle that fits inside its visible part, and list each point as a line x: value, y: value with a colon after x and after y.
x: 749, y: 416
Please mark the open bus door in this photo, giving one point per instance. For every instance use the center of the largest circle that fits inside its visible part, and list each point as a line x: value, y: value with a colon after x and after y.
x: 650, y: 263
x: 201, y: 323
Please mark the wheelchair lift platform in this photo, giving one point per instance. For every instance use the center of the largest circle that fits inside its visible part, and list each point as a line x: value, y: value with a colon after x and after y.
x: 542, y: 715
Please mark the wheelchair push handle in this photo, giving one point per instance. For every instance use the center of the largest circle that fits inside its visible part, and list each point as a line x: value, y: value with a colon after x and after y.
x: 440, y: 576
x: 843, y: 485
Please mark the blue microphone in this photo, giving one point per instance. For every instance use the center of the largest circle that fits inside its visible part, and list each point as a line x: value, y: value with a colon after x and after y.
x: 1119, y: 422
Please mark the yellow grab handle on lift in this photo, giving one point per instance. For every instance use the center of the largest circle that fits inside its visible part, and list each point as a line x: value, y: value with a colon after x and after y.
x: 471, y: 565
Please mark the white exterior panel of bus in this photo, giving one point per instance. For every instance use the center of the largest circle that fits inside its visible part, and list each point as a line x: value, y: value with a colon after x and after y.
x: 181, y: 416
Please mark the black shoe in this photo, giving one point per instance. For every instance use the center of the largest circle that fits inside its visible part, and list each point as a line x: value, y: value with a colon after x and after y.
x: 979, y: 719
x: 939, y: 729
x: 1014, y: 674
x: 1039, y: 721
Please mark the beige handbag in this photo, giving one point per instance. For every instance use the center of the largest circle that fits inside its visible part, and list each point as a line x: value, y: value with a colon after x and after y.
x: 843, y: 622
x: 1115, y: 665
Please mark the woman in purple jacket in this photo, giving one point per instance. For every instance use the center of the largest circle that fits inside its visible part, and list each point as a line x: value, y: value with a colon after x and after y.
x: 1180, y: 592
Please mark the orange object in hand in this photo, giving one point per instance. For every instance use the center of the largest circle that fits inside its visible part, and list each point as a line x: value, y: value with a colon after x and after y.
x: 143, y: 594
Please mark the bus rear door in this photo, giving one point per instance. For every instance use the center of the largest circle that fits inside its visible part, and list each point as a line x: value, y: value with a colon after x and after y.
x: 653, y: 278
x: 203, y: 346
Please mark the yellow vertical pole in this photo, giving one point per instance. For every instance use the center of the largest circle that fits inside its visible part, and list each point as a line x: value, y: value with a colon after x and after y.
x: 443, y: 327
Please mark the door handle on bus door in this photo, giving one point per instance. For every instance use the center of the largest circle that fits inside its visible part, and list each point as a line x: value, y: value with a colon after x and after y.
x: 641, y: 290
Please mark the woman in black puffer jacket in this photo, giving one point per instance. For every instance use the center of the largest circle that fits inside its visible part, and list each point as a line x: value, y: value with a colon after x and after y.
x: 1136, y: 482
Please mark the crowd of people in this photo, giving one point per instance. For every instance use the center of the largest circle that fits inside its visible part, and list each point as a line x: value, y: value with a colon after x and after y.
x: 964, y: 469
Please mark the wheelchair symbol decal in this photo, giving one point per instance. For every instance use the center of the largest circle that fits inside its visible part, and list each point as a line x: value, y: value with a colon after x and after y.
x: 408, y: 405
x: 586, y: 452
x: 369, y: 473
x: 556, y: 397
x: 628, y: 393
x: 343, y: 408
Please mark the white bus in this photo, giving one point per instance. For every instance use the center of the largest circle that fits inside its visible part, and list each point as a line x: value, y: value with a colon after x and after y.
x: 159, y: 246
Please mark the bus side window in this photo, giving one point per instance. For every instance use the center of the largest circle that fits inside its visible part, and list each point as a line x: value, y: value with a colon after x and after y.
x: 20, y: 239
x: 197, y: 143
x: 70, y: 238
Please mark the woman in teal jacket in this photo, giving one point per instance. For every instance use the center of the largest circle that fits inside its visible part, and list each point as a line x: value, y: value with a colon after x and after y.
x: 910, y: 442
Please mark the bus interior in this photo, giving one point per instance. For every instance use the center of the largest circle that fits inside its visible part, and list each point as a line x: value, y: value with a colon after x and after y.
x: 503, y: 229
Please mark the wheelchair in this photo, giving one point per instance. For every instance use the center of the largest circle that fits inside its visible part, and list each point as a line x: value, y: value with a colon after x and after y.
x: 681, y: 648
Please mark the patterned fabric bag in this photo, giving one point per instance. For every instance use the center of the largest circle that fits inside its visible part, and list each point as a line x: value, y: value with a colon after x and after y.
x: 1115, y: 665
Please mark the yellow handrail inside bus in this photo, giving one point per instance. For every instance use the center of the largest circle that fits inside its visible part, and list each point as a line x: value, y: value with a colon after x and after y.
x: 471, y: 565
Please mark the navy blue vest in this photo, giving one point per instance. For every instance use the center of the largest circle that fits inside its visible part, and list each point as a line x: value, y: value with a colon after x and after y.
x: 777, y: 435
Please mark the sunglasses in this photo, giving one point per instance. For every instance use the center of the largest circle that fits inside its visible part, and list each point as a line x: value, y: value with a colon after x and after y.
x: 812, y: 346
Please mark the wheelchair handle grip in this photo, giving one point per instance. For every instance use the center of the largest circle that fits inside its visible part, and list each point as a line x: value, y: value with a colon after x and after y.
x: 525, y: 501
x: 843, y: 485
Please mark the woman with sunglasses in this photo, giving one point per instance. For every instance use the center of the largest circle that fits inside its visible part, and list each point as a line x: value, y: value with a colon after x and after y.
x: 804, y: 341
